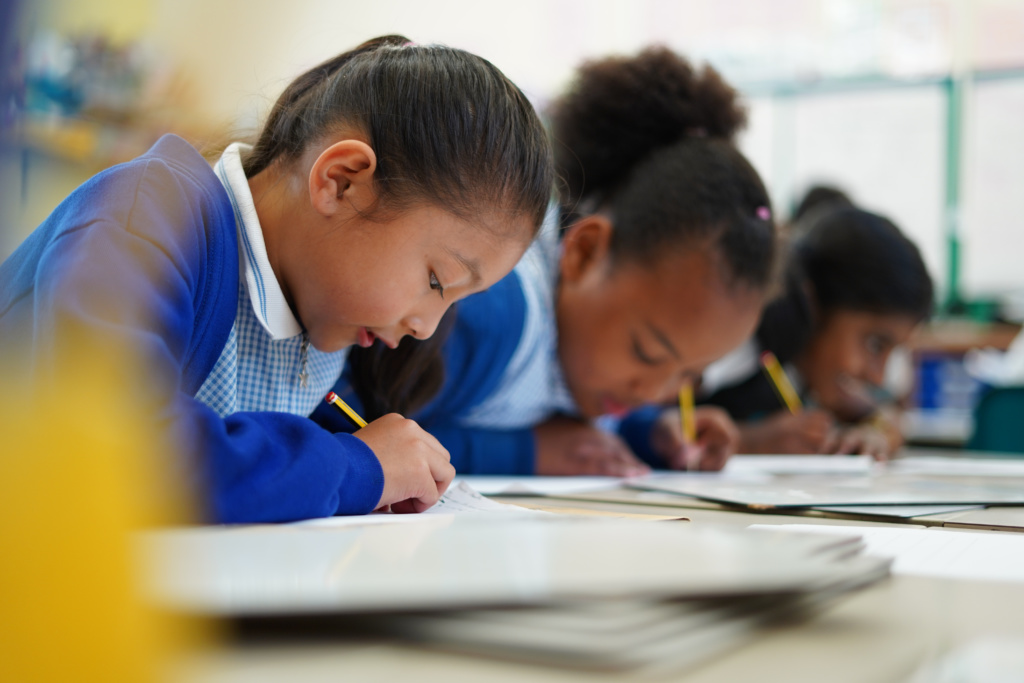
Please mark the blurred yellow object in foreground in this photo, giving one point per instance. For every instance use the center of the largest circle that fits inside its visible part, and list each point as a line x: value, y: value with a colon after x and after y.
x: 79, y: 473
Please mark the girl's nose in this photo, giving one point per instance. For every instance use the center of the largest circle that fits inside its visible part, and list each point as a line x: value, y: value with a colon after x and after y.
x: 423, y: 326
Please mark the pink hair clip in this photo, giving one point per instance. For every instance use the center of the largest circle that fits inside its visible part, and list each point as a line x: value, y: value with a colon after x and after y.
x: 764, y: 213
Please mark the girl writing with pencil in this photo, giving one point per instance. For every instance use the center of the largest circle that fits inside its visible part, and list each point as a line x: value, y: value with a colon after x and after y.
x: 856, y: 288
x: 387, y: 183
x: 662, y: 266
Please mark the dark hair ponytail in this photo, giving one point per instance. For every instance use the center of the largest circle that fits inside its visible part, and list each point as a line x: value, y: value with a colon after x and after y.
x: 649, y: 139
x: 449, y: 130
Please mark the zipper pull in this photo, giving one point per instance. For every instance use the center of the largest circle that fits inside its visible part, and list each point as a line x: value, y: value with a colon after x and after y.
x: 304, y: 360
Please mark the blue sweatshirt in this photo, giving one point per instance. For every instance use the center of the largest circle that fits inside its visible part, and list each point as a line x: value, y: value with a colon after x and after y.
x: 145, y: 254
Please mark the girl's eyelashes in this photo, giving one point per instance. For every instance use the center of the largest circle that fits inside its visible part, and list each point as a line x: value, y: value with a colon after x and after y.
x: 436, y: 284
x: 641, y: 354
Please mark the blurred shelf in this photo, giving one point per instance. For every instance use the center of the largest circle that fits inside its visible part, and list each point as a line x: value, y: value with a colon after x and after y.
x: 956, y: 337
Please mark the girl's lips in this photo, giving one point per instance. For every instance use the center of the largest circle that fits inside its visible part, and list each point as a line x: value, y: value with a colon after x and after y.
x: 610, y: 406
x: 365, y: 338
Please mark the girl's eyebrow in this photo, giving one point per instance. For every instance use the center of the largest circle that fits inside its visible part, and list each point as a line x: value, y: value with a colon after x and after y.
x: 472, y: 265
x: 663, y: 338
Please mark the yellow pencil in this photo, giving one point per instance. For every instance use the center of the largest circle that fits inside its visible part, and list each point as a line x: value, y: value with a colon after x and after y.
x: 781, y: 382
x: 344, y: 407
x: 686, y: 413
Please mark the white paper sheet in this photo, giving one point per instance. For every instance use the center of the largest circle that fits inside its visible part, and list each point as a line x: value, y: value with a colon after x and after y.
x: 823, y: 490
x: 538, y: 486
x: 798, y: 464
x: 989, y: 659
x: 903, y: 511
x: 459, y: 498
x: 944, y: 553
x: 959, y: 467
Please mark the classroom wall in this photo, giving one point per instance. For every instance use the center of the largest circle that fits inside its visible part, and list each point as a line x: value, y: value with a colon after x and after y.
x: 257, y: 45
x: 885, y: 144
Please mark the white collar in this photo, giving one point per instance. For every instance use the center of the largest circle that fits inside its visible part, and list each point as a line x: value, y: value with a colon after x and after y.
x: 268, y: 300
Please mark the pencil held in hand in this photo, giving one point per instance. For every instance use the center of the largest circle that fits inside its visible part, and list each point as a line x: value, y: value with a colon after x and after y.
x: 686, y: 415
x: 781, y: 382
x: 344, y: 408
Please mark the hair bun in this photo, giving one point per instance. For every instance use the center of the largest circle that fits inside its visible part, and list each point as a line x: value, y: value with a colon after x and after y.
x: 619, y: 110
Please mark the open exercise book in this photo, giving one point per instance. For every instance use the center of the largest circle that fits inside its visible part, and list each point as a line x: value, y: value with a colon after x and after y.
x: 477, y: 575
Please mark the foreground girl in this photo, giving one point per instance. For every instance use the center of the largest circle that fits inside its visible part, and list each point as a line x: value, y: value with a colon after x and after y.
x: 387, y: 183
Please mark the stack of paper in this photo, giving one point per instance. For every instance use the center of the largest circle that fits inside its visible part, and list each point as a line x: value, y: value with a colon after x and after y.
x: 943, y: 553
x: 606, y: 594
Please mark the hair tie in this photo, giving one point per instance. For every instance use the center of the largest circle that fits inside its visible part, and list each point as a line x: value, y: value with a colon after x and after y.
x: 764, y: 213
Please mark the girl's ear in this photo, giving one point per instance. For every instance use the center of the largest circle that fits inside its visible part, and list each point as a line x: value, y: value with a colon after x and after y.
x: 343, y: 175
x: 585, y: 246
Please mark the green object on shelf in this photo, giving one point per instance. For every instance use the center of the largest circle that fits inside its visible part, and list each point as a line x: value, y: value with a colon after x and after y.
x: 982, y: 310
x: 997, y: 421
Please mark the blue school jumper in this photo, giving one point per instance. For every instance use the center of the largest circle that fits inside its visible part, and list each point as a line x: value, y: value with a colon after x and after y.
x: 147, y: 253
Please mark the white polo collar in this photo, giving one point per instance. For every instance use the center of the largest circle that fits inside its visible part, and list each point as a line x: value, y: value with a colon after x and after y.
x: 268, y: 300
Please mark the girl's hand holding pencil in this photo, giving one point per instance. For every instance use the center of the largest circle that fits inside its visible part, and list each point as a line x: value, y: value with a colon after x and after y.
x: 417, y: 468
x: 810, y: 431
x: 713, y: 440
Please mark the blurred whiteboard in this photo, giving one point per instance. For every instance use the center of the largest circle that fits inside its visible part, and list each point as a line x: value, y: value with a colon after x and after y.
x: 886, y: 146
x: 887, y: 149
x: 993, y: 206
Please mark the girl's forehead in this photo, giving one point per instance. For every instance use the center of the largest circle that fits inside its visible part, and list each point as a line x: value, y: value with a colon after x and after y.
x: 690, y: 306
x: 483, y: 222
x: 687, y: 280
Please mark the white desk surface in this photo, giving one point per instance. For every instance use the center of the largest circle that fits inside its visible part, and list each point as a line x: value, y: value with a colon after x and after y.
x: 880, y: 634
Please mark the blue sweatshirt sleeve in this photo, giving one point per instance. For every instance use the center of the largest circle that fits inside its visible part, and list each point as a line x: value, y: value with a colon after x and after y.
x: 125, y: 263
x: 487, y: 451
